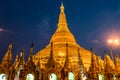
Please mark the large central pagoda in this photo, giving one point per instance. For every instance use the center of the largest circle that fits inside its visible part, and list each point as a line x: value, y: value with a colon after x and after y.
x: 59, y: 39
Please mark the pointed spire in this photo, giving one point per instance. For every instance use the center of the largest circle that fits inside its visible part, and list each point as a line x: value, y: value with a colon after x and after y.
x: 93, y: 59
x: 15, y: 64
x: 22, y: 61
x: 105, y: 58
x: 66, y: 59
x: 38, y: 66
x: 91, y: 55
x: 51, y: 52
x: 51, y: 58
x: 51, y: 62
x: 98, y: 62
x: 62, y: 7
x: 62, y: 33
x: 62, y: 23
x: 116, y: 59
x: 31, y: 52
x: 10, y: 45
x: 79, y: 58
x: 93, y: 69
x: 8, y: 55
x: 105, y: 53
x: 16, y: 59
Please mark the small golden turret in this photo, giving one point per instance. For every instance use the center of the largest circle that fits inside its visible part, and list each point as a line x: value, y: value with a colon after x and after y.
x: 108, y: 68
x: 7, y: 59
x: 22, y: 60
x: 15, y: 65
x: 93, y: 69
x: 31, y: 52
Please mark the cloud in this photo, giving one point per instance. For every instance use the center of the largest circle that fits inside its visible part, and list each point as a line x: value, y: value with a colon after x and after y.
x: 95, y: 41
x: 44, y: 30
x: 44, y: 25
x: 3, y: 30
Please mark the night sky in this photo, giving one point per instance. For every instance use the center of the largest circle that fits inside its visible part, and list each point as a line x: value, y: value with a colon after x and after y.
x: 92, y: 22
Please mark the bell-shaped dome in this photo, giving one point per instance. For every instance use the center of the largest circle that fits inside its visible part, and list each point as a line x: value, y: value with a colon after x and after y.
x: 62, y: 36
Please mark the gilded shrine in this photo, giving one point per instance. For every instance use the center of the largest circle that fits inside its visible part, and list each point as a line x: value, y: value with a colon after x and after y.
x: 61, y: 59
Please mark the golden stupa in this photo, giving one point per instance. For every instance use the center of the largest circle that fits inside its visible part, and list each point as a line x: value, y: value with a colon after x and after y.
x: 59, y: 40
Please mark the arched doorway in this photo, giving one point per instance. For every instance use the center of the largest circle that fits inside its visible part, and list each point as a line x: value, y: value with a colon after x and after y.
x: 71, y: 76
x: 101, y: 77
x: 3, y: 76
x: 114, y: 77
x: 53, y: 76
x: 30, y: 77
x: 83, y: 75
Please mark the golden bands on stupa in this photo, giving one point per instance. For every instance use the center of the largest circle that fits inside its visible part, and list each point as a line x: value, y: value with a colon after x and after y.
x: 61, y: 59
x: 62, y: 36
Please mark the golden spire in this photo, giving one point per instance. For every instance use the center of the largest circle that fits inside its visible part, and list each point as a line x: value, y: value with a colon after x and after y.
x: 17, y: 58
x: 62, y: 33
x: 31, y: 52
x: 62, y: 7
x: 93, y: 69
x: 66, y: 59
x: 8, y: 55
x: 15, y: 64
x: 22, y: 61
x: 62, y: 23
x: 51, y: 58
x: 93, y: 58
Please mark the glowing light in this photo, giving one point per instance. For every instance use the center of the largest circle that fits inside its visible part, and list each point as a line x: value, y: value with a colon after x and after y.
x: 116, y: 42
x: 71, y: 76
x: 3, y: 76
x: 53, y: 77
x: 114, y: 77
x: 110, y: 41
x: 113, y: 42
x: 101, y: 77
x: 30, y: 77
x: 1, y: 29
x: 83, y: 75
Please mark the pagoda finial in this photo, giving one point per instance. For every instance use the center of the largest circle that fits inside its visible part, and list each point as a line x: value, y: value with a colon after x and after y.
x: 16, y: 59
x: 62, y: 32
x: 10, y: 45
x: 62, y: 23
x: 22, y: 57
x: 62, y: 7
x: 31, y: 51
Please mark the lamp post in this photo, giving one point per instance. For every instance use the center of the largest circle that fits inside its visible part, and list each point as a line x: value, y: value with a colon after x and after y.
x: 113, y: 43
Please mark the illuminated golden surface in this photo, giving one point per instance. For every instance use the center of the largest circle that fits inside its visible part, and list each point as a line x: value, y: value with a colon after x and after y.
x: 61, y: 57
x: 109, y: 61
x: 60, y: 38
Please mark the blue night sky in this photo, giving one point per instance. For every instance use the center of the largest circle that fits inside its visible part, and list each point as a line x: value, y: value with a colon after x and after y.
x: 92, y: 22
